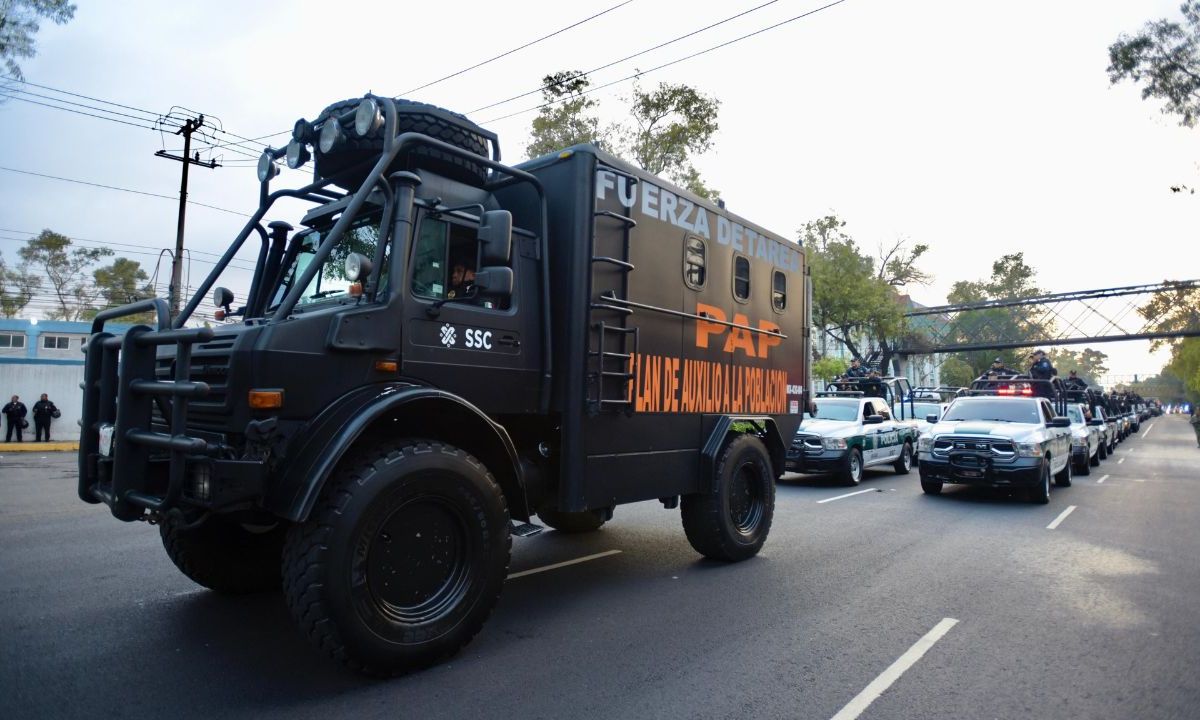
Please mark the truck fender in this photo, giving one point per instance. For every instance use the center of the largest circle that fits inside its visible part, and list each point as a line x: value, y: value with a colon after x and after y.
x: 770, y: 435
x: 392, y: 410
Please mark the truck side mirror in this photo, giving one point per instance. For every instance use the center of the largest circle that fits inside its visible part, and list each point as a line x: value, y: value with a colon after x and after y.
x: 495, y: 237
x: 1059, y: 422
x: 931, y: 419
x: 873, y: 420
x: 494, y: 281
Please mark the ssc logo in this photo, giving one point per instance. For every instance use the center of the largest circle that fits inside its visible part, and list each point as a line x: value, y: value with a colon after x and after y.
x: 448, y: 336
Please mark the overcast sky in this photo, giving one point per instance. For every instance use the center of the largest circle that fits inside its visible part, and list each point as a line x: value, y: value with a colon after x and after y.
x: 976, y: 128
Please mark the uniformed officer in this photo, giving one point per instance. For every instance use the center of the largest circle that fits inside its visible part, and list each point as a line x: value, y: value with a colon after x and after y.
x: 998, y: 369
x: 1041, y: 369
x: 856, y: 370
x: 1075, y: 382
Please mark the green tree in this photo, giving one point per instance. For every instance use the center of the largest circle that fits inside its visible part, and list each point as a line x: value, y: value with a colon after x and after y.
x: 1011, y: 279
x: 1176, y: 308
x: 956, y: 372
x: 121, y: 283
x: 673, y: 124
x: 19, y: 23
x: 827, y: 368
x: 851, y: 302
x: 1089, y: 363
x: 668, y: 127
x: 66, y: 269
x: 1185, y: 365
x: 17, y: 287
x: 1164, y: 57
x: 568, y: 116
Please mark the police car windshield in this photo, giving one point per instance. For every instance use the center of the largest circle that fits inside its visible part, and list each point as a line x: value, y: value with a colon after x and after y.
x: 921, y: 409
x: 1017, y: 410
x: 831, y: 409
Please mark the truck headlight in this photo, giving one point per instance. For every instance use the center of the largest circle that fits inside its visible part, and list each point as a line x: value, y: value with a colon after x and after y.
x: 1079, y: 441
x: 331, y: 135
x: 367, y: 118
x: 266, y: 167
x: 833, y: 443
x: 1029, y: 449
x: 297, y: 154
x: 924, y: 444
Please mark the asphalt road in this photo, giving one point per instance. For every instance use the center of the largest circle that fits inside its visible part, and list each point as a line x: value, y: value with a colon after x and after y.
x: 1096, y: 618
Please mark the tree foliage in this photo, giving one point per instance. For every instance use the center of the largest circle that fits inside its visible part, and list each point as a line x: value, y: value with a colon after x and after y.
x: 1011, y: 279
x: 1088, y: 363
x: 827, y: 368
x: 17, y: 287
x: 568, y: 116
x: 669, y: 125
x: 1173, y: 309
x: 121, y: 283
x: 20, y: 22
x: 1185, y: 365
x: 1164, y: 57
x: 66, y: 270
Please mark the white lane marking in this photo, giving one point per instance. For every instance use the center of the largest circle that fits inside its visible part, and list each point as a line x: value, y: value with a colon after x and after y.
x: 1139, y: 480
x: 839, y: 497
x: 565, y: 563
x: 871, y: 693
x: 1062, y: 516
x: 1148, y: 429
x: 1101, y: 479
x: 1121, y: 461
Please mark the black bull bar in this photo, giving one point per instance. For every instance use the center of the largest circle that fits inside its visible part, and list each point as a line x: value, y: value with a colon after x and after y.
x: 119, y: 389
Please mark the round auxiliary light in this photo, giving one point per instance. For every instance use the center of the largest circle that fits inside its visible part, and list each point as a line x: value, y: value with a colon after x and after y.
x: 302, y: 131
x: 368, y: 117
x: 266, y: 167
x: 357, y: 267
x: 332, y: 135
x: 297, y: 154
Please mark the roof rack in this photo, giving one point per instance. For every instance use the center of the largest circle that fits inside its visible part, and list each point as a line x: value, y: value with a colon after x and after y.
x: 842, y: 393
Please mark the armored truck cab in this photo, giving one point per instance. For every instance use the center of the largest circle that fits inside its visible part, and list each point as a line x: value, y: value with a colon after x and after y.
x: 446, y: 344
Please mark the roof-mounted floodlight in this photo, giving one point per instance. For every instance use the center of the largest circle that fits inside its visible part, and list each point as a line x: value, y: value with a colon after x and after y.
x: 266, y: 166
x: 297, y: 154
x: 332, y: 135
x: 368, y: 117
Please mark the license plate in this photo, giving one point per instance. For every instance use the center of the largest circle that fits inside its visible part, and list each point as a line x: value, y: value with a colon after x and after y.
x: 970, y: 473
x: 106, y: 440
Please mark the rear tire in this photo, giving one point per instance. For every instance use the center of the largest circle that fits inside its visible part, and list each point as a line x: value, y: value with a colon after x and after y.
x: 903, y: 464
x: 1094, y: 460
x: 403, y: 558
x: 852, y: 467
x: 732, y: 521
x: 1102, y: 453
x: 572, y: 522
x: 225, y: 556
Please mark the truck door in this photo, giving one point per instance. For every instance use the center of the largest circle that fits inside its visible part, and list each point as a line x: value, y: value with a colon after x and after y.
x: 484, y: 347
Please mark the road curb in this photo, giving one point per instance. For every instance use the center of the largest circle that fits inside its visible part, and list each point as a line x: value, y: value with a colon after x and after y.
x: 39, y: 446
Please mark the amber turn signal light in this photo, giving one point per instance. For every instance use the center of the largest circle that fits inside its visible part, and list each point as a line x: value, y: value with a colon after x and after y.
x: 266, y: 399
x: 387, y: 365
x: 355, y: 289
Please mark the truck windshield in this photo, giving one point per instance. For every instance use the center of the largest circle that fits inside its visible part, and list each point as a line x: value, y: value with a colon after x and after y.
x: 1016, y: 410
x: 837, y: 409
x: 331, y: 282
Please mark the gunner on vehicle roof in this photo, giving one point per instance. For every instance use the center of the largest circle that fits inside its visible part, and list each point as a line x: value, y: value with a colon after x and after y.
x: 997, y: 369
x: 1041, y: 369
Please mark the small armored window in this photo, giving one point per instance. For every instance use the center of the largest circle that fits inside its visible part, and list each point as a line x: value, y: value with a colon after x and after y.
x: 779, y: 291
x: 741, y: 278
x: 695, y: 254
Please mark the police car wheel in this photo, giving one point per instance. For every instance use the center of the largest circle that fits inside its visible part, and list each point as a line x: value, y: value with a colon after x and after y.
x: 1094, y: 460
x: 1040, y: 493
x: 403, y: 558
x: 904, y: 462
x: 931, y: 487
x: 572, y: 522
x: 1063, y: 477
x: 852, y: 467
x: 1102, y: 453
x: 223, y: 555
x: 731, y: 522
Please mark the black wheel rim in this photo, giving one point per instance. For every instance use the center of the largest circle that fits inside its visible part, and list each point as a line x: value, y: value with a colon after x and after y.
x: 746, y: 498
x: 418, y: 563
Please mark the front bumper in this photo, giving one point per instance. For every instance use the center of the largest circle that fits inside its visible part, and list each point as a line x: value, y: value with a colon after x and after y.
x: 808, y: 461
x: 967, y: 468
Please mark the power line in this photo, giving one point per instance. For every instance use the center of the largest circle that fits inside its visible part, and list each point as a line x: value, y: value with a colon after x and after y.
x: 151, y: 113
x: 105, y: 243
x: 76, y: 104
x: 77, y: 112
x: 114, y: 187
x: 517, y: 49
x: 673, y: 62
x: 628, y: 57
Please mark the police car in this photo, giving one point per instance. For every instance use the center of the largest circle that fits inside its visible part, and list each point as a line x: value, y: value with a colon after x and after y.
x: 851, y: 432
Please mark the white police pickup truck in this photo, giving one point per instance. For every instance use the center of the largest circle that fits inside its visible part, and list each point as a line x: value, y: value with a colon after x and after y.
x: 849, y: 433
x: 997, y: 442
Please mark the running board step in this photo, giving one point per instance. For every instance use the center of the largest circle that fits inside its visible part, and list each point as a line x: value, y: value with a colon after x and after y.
x: 525, y: 529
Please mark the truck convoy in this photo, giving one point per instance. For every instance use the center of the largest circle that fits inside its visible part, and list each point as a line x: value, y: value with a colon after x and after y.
x: 449, y: 344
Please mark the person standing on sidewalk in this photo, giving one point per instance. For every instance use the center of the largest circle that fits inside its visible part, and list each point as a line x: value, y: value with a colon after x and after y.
x: 14, y: 413
x: 43, y: 412
x: 1195, y: 421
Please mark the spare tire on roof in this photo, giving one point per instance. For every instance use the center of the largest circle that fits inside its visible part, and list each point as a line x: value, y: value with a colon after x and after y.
x: 351, y: 161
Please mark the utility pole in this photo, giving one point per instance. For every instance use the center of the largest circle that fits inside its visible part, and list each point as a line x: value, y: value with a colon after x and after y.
x: 186, y: 130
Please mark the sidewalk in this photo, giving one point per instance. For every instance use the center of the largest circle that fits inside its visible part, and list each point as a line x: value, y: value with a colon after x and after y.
x: 55, y: 446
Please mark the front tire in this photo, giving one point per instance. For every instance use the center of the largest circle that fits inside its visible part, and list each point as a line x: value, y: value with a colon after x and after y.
x: 1063, y: 477
x: 903, y: 464
x: 732, y: 521
x: 403, y: 558
x: 931, y: 487
x: 1040, y: 494
x: 225, y: 556
x: 852, y: 467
